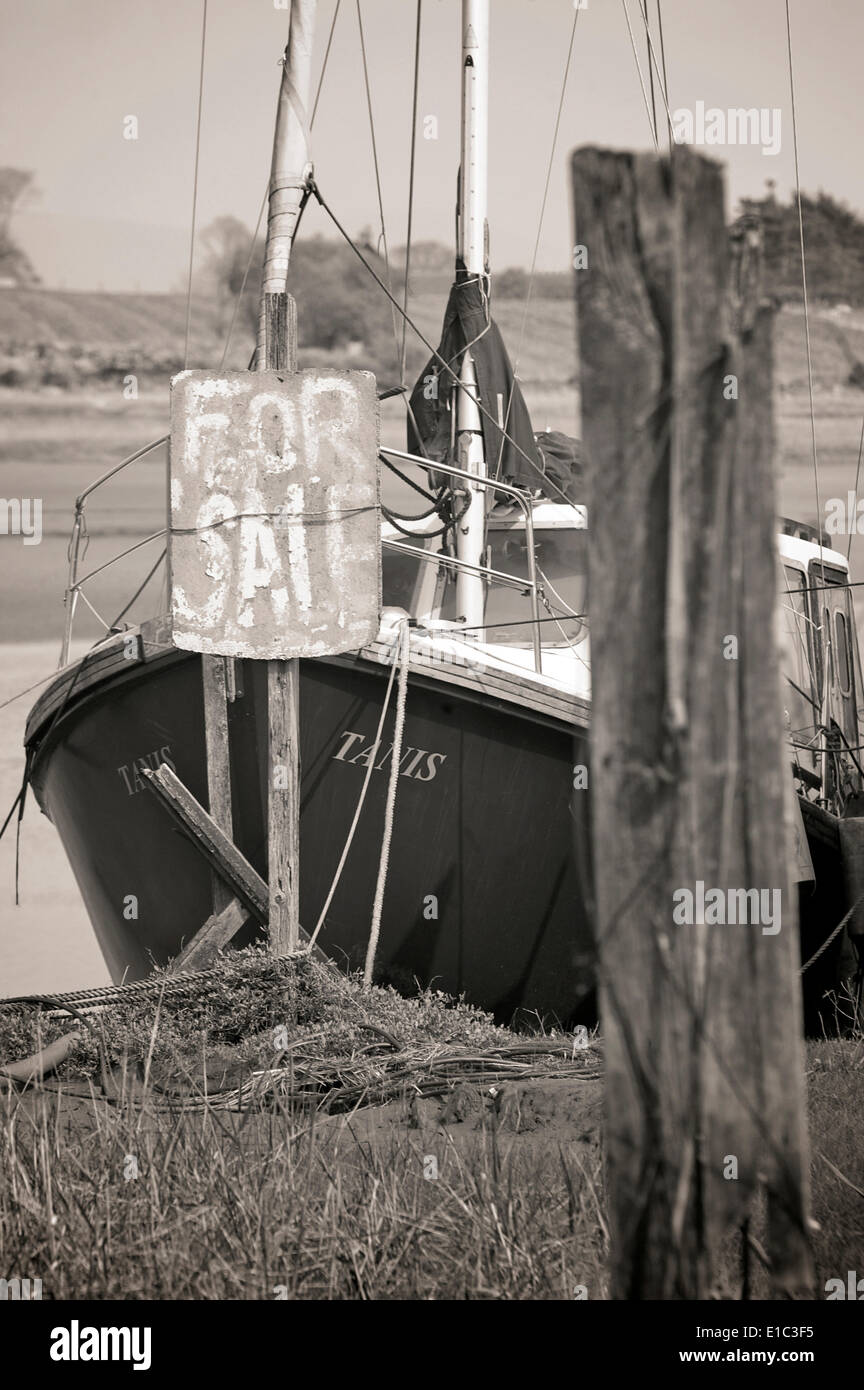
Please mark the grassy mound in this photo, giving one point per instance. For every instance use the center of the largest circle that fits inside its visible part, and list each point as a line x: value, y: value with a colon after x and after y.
x: 255, y: 1013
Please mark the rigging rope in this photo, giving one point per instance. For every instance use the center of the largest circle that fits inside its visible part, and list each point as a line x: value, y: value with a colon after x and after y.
x: 195, y: 187
x: 402, y: 355
x: 377, y: 170
x: 652, y: 57
x: 650, y: 68
x: 663, y: 64
x: 447, y: 523
x: 545, y: 479
x: 804, y: 279
x: 532, y: 272
x: 324, y: 64
x: 639, y: 70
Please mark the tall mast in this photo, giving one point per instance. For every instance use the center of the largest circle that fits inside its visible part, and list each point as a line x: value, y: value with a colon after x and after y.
x: 472, y: 237
x: 291, y: 165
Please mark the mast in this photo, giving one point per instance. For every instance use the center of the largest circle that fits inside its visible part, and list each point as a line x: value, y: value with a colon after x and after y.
x: 291, y: 165
x: 472, y: 253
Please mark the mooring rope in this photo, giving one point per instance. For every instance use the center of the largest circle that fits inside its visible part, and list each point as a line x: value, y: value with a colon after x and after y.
x: 835, y: 933
x: 100, y: 996
x: 403, y: 661
x: 360, y: 801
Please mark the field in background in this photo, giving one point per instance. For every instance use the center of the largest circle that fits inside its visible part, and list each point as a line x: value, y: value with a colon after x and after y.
x: 55, y: 441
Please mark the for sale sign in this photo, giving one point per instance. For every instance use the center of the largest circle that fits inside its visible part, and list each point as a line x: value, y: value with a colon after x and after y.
x: 275, y: 513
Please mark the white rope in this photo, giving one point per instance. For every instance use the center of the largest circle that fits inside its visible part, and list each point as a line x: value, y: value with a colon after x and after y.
x: 361, y: 799
x: 403, y: 659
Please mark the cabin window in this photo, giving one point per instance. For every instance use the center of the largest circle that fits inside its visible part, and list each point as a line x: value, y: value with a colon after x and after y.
x: 829, y: 595
x: 836, y: 643
x: 405, y: 579
x: 796, y: 656
x: 842, y: 664
x: 561, y: 560
x: 827, y: 643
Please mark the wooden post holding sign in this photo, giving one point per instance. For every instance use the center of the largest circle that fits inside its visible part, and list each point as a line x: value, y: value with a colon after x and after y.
x: 275, y: 551
x: 216, y: 734
x: 283, y: 700
x: 697, y: 929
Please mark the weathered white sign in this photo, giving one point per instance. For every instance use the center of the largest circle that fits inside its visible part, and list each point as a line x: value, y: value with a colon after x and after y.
x: 275, y: 512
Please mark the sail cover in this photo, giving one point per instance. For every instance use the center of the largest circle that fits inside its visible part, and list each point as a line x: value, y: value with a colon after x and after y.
x: 511, y: 453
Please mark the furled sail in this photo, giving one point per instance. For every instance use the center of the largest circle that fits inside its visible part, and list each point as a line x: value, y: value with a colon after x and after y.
x: 550, y: 463
x: 512, y: 456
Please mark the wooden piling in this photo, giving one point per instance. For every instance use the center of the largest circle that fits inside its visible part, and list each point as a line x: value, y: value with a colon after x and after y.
x: 702, y: 1022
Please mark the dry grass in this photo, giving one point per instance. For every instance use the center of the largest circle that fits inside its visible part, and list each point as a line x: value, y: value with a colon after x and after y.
x: 459, y: 1197
x: 486, y: 1189
x: 220, y: 1206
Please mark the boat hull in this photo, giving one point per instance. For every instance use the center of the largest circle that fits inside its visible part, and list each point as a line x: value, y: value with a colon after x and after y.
x: 483, y: 896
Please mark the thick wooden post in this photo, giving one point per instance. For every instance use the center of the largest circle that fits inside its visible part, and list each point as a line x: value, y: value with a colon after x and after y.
x: 701, y: 1018
x: 283, y: 708
x: 213, y: 675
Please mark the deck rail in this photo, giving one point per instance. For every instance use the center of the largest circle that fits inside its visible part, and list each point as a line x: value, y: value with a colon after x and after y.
x: 75, y: 583
x: 493, y: 485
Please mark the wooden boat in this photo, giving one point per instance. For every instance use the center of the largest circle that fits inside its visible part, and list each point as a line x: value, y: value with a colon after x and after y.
x: 489, y: 889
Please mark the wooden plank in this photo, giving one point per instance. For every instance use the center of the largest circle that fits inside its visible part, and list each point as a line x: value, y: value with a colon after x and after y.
x: 212, y: 843
x: 216, y: 932
x: 280, y: 328
x: 220, y: 852
x: 283, y: 805
x: 702, y: 1021
x: 213, y: 677
x: 283, y: 707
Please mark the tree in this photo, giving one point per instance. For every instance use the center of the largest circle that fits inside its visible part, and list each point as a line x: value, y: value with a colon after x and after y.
x: 834, y: 238
x: 15, y: 186
x: 339, y: 308
x: 225, y: 247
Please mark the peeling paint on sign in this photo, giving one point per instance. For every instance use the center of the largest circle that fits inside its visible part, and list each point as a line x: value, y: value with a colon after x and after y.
x: 275, y: 513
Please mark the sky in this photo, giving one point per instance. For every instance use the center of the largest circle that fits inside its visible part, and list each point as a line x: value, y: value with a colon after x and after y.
x: 114, y: 213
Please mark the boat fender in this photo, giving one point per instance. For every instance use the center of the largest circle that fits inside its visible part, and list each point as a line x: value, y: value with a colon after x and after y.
x: 41, y: 1063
